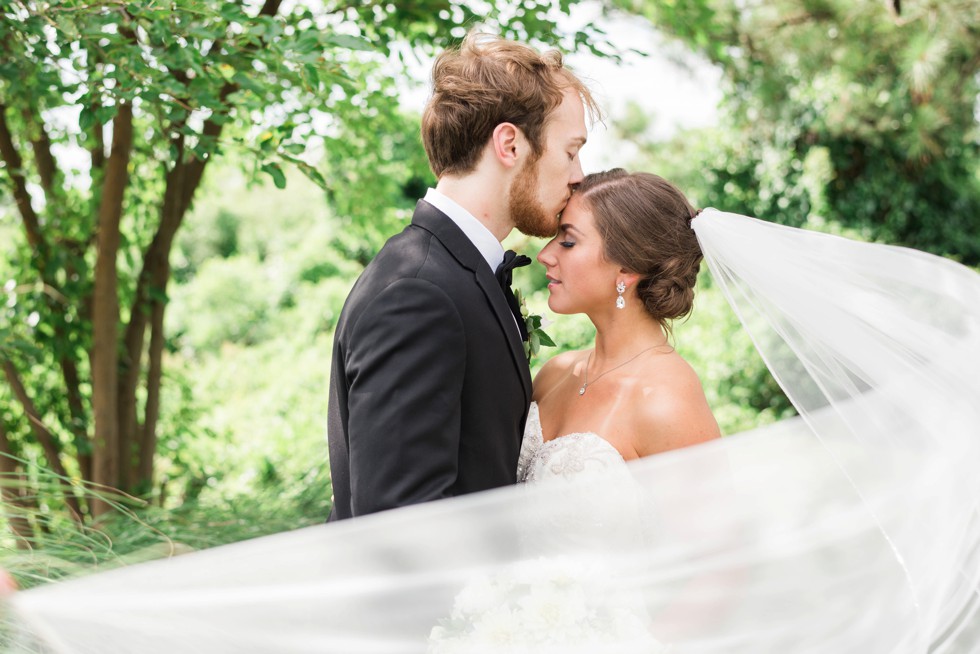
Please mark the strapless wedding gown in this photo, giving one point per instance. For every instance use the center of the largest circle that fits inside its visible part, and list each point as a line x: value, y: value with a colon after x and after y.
x: 580, y: 454
x: 562, y: 602
x: 594, y: 478
x: 565, y: 602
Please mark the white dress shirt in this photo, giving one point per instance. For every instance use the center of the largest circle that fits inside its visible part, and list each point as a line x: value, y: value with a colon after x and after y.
x: 479, y: 235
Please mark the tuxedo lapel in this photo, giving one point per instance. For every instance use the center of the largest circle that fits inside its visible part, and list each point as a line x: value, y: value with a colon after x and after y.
x: 462, y: 249
x: 491, y: 288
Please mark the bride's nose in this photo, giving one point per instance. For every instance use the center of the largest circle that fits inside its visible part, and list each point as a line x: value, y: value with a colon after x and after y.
x: 546, y: 256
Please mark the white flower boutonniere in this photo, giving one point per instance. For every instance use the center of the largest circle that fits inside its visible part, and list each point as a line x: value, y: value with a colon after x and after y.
x: 536, y: 336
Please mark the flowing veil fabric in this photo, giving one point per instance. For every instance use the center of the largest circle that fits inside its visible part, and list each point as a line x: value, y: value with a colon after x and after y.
x: 852, y: 528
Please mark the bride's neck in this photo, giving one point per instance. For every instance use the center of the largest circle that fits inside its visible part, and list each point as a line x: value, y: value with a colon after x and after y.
x: 619, y: 337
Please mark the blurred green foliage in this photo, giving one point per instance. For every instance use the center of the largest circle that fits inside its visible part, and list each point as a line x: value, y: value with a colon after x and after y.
x: 859, y: 114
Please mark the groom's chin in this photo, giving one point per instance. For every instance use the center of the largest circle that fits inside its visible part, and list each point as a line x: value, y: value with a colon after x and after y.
x: 534, y: 221
x: 539, y: 230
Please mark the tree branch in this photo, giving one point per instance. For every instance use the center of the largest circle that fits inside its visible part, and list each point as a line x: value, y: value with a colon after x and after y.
x: 270, y: 8
x: 15, y: 170
x: 47, y: 168
x: 47, y: 441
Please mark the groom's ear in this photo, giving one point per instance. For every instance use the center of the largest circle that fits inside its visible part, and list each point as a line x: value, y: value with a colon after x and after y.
x: 508, y: 144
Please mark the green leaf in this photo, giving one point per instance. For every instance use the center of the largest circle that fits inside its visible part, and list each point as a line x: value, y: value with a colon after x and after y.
x: 247, y: 82
x: 278, y: 177
x: 86, y: 119
x: 314, y: 175
x: 104, y: 114
x: 158, y: 294
x: 231, y: 11
x: 545, y: 339
x: 227, y: 71
x: 348, y: 41
x: 67, y: 27
x: 312, y: 76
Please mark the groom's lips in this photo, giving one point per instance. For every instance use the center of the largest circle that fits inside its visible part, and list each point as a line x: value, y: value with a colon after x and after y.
x: 563, y: 205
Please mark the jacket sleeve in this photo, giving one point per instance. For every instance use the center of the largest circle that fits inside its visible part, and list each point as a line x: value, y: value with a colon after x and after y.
x: 405, y: 362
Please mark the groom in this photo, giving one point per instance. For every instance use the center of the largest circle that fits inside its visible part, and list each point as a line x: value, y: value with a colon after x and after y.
x: 429, y: 385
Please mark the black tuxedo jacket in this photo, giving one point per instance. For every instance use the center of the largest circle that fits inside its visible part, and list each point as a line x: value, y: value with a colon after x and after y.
x: 429, y: 385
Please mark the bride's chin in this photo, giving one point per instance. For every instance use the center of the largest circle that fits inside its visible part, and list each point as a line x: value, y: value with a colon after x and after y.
x: 556, y: 307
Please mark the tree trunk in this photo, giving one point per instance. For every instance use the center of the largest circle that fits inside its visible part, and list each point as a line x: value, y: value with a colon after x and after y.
x: 83, y: 445
x: 181, y: 183
x: 105, y: 311
x: 154, y: 275
x: 154, y: 377
x: 14, y: 508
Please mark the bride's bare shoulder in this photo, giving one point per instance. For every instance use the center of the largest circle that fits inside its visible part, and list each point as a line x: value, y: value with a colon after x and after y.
x: 557, y: 369
x: 674, y: 411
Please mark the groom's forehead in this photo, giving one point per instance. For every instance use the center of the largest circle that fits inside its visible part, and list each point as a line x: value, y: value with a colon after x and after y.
x: 568, y: 120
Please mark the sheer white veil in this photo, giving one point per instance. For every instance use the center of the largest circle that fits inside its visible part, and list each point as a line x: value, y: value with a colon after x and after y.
x: 853, y: 528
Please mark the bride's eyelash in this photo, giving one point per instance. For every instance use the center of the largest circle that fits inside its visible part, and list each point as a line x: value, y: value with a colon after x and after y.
x: 566, y: 244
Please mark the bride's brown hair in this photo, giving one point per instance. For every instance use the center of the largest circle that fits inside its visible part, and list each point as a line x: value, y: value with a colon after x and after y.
x: 645, y: 224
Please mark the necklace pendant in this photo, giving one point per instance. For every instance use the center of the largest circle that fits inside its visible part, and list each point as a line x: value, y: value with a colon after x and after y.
x: 581, y: 391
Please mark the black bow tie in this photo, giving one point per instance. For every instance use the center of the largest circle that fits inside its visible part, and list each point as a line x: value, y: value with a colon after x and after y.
x: 504, y: 275
x: 504, y: 272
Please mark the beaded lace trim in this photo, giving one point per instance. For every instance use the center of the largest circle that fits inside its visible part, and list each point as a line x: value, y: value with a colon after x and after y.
x: 564, y: 456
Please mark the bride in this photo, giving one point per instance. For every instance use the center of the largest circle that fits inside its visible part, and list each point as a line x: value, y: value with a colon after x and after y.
x: 853, y: 528
x: 625, y: 255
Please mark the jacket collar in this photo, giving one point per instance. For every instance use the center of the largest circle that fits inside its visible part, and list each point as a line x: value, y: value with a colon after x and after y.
x: 462, y: 249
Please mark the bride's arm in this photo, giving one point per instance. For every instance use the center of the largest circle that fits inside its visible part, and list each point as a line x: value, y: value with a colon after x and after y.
x: 7, y: 583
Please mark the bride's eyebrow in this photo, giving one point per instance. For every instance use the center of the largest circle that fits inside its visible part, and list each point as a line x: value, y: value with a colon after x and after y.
x: 565, y: 227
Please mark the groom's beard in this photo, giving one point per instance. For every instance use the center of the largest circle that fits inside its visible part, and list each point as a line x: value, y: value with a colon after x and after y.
x: 529, y: 216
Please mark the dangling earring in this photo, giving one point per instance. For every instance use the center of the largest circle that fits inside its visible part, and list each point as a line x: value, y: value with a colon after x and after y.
x: 620, y: 289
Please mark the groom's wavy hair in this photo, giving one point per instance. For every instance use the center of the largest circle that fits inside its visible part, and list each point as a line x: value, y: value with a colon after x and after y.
x: 645, y: 225
x: 487, y: 81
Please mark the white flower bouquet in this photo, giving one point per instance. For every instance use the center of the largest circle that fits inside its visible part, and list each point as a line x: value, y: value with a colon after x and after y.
x: 546, y: 605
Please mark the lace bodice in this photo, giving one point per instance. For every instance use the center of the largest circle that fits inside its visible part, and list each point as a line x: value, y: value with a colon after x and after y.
x: 575, y: 454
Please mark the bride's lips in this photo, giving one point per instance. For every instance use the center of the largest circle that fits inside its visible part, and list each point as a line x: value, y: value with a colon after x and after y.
x: 552, y: 282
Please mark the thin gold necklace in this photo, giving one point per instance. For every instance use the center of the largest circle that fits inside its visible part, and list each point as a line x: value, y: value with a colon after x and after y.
x: 581, y: 391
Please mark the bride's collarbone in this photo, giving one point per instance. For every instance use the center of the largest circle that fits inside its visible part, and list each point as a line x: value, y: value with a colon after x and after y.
x: 599, y: 411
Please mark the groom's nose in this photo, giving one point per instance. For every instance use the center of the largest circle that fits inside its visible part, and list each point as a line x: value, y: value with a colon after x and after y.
x: 577, y: 174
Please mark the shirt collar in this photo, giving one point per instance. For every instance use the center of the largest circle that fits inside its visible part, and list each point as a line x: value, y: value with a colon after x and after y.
x: 475, y: 231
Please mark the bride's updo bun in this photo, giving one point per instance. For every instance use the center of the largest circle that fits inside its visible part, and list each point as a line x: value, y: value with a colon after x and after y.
x: 645, y: 223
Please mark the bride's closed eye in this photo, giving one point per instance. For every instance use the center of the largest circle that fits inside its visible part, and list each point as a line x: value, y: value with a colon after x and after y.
x: 566, y: 244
